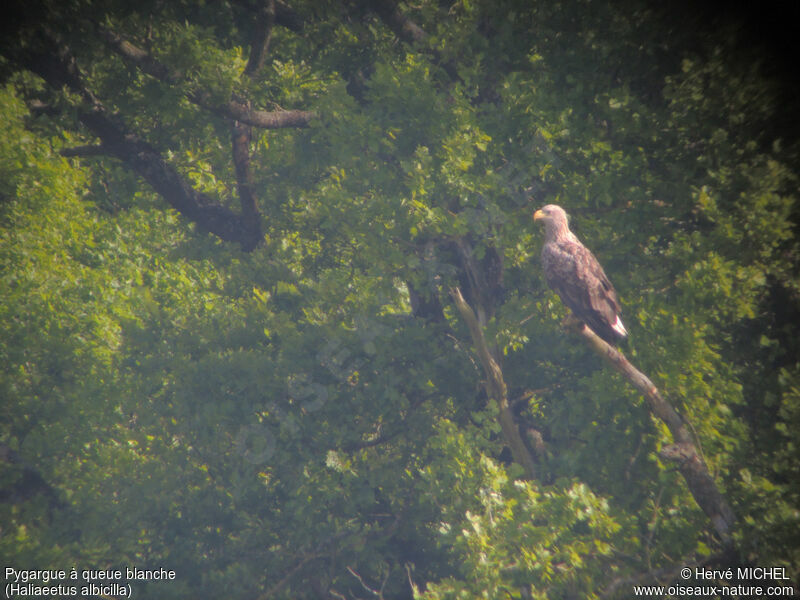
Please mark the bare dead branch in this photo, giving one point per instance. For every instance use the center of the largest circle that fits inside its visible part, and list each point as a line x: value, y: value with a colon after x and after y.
x: 413, y: 586
x: 684, y: 451
x: 495, y: 386
x: 376, y: 593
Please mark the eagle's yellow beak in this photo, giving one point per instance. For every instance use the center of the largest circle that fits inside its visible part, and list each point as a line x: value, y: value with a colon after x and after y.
x: 538, y: 215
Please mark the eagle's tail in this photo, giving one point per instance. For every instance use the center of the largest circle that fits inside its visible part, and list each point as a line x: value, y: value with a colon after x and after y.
x: 619, y: 327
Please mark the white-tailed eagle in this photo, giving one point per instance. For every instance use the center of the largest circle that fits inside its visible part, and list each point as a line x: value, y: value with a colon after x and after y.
x: 573, y: 272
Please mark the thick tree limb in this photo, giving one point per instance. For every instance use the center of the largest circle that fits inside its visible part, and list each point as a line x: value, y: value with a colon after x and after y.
x: 198, y: 207
x: 495, y: 386
x: 232, y: 109
x: 56, y: 65
x: 264, y: 119
x: 684, y: 451
x: 241, y: 133
x: 240, y: 141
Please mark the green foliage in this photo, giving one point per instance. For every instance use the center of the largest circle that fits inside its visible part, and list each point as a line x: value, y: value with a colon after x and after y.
x: 285, y: 422
x: 510, y: 535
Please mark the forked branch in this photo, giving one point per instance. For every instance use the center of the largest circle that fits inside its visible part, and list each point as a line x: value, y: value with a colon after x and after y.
x: 495, y: 386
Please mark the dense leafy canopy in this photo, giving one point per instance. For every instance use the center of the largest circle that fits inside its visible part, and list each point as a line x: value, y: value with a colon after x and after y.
x: 228, y: 346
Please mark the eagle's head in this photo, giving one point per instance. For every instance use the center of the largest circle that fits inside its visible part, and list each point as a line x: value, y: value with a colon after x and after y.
x: 554, y: 219
x: 551, y: 212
